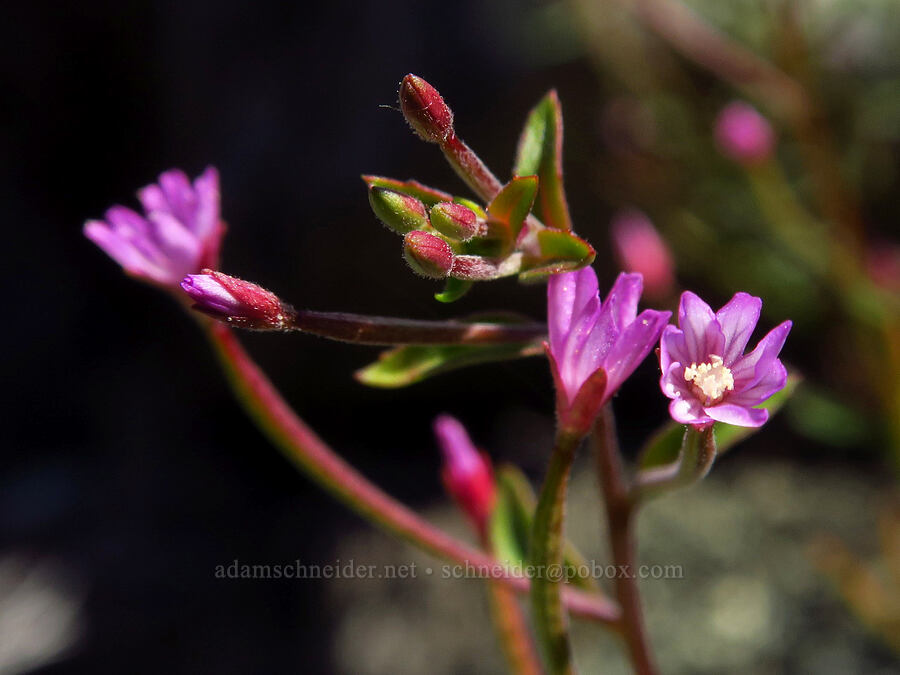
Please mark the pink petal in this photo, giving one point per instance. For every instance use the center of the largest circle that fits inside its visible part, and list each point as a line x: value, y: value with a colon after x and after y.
x: 672, y: 348
x: 180, y: 195
x: 633, y: 345
x: 773, y: 380
x: 750, y: 369
x: 702, y: 335
x: 206, y: 217
x: 738, y: 415
x: 737, y: 320
x: 623, y: 298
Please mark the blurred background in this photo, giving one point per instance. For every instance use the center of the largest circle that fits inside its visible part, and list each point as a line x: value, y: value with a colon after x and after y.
x: 128, y: 472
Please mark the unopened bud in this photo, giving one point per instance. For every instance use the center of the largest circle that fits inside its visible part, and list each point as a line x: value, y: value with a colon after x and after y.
x: 425, y: 110
x: 743, y: 135
x: 454, y: 220
x: 428, y: 254
x: 237, y: 302
x: 641, y: 249
x: 398, y: 211
x: 467, y: 472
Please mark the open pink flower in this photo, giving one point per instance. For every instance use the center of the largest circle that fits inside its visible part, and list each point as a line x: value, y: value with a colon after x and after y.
x: 705, y: 371
x: 179, y: 233
x: 587, y: 336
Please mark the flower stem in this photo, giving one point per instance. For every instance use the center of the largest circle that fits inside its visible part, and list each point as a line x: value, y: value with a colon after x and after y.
x: 546, y: 557
x: 308, y: 452
x: 380, y: 330
x: 698, y: 452
x: 470, y: 168
x: 620, y: 519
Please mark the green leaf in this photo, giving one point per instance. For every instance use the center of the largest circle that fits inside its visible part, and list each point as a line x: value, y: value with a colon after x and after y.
x: 558, y: 252
x: 540, y: 153
x: 664, y: 445
x: 406, y: 365
x: 512, y: 205
x: 510, y: 526
x: 454, y: 289
x: 413, y: 188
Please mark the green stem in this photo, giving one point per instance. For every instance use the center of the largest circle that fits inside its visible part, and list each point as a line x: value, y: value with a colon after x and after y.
x: 698, y: 452
x: 620, y: 510
x: 309, y: 453
x: 547, y: 543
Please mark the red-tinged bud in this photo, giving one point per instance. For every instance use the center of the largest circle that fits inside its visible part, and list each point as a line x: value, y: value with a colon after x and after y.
x: 425, y: 110
x: 640, y: 249
x: 237, y: 302
x: 398, y: 211
x: 428, y: 254
x: 467, y: 473
x: 454, y: 220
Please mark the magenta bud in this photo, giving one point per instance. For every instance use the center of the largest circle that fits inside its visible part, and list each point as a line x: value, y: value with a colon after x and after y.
x: 398, y: 211
x: 425, y: 110
x: 641, y: 249
x: 237, y: 302
x: 428, y: 254
x: 743, y: 135
x: 454, y: 220
x: 467, y: 473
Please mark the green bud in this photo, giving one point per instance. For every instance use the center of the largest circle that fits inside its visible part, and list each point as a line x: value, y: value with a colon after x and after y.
x: 399, y: 212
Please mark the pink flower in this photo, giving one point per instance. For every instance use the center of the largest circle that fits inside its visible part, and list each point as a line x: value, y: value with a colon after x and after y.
x: 587, y: 336
x: 744, y: 135
x: 705, y: 371
x: 467, y: 473
x: 179, y: 233
x: 640, y: 249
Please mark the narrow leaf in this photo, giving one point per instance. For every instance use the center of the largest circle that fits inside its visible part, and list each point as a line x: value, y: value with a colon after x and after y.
x: 454, y: 289
x: 540, y: 152
x: 512, y: 205
x: 403, y: 366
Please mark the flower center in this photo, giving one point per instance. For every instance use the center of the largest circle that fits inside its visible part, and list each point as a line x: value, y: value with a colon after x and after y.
x: 712, y: 379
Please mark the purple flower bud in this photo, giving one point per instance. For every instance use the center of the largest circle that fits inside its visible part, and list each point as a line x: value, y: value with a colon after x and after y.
x: 640, y: 249
x: 237, y: 302
x: 398, y: 211
x: 705, y: 371
x: 744, y: 135
x: 425, y: 110
x: 179, y: 233
x: 428, y: 254
x: 467, y: 472
x: 587, y: 336
x: 454, y: 220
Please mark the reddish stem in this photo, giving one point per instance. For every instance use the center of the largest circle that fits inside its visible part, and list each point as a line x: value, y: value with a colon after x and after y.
x: 306, y: 450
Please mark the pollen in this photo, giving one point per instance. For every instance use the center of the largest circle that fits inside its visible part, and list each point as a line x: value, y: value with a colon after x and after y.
x: 712, y: 379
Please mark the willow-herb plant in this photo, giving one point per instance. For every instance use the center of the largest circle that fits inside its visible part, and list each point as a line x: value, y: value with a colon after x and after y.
x: 519, y: 228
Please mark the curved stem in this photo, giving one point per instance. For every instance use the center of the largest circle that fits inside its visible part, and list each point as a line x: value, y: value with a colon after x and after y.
x: 698, y: 452
x: 547, y: 544
x: 308, y: 452
x: 619, y: 515
x: 381, y: 330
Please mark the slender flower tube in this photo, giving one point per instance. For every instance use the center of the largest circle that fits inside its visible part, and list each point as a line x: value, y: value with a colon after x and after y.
x: 179, y: 233
x: 467, y: 472
x: 587, y: 336
x: 237, y: 302
x: 705, y: 371
x: 744, y: 135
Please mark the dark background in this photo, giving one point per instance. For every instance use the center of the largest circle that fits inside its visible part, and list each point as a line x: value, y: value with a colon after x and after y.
x: 124, y: 456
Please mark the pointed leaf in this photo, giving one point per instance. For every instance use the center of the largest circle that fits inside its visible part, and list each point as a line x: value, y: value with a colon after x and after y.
x: 510, y: 208
x: 402, y: 366
x: 557, y: 251
x: 664, y: 445
x: 540, y: 152
x: 413, y: 188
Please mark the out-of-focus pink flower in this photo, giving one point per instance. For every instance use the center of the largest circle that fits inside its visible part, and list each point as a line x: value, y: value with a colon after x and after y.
x: 705, y: 371
x: 744, y: 135
x: 236, y: 301
x: 642, y: 250
x: 467, y: 473
x: 587, y: 336
x: 179, y: 233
